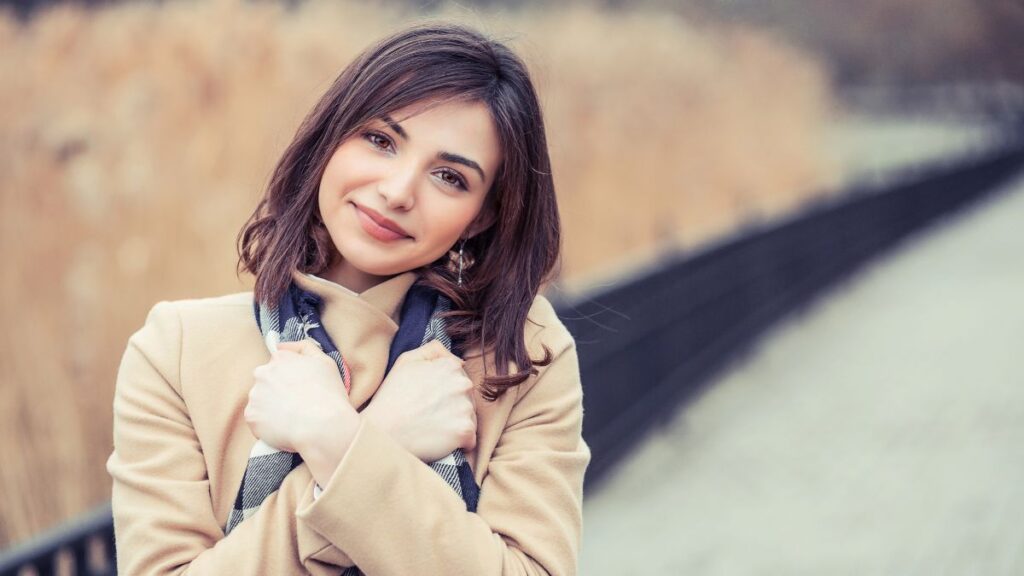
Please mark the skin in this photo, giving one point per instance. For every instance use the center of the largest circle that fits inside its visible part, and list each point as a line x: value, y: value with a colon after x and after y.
x: 298, y: 401
x: 403, y: 179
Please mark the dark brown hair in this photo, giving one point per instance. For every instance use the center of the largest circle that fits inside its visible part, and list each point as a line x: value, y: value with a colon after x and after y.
x: 505, y: 264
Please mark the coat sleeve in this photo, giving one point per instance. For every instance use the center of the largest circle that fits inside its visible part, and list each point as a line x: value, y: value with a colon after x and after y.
x: 164, y: 521
x: 393, y: 515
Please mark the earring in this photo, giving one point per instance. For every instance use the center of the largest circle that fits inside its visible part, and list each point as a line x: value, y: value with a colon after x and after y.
x: 460, y: 260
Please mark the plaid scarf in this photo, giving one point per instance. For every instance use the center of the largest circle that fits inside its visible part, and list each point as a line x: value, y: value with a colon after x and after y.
x: 297, y: 316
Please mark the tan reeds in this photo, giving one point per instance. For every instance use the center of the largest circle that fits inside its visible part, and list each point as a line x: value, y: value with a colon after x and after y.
x: 137, y: 138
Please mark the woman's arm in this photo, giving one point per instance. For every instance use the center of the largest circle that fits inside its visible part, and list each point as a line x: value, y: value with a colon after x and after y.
x: 394, y: 515
x: 163, y: 517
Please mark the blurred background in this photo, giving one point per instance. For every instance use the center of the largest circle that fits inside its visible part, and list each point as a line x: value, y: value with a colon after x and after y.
x: 137, y: 136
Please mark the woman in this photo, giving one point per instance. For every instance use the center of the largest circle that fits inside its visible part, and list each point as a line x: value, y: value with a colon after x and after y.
x: 325, y: 423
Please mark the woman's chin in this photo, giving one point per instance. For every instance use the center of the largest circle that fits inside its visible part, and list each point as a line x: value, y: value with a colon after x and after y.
x: 380, y: 267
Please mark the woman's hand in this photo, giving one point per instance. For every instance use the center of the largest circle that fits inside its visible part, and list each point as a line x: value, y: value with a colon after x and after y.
x: 297, y: 397
x: 425, y: 403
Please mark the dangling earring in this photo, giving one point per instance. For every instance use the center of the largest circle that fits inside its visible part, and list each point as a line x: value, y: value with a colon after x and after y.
x: 461, y: 245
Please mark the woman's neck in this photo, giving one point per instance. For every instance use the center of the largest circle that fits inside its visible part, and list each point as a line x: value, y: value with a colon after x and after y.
x: 344, y: 274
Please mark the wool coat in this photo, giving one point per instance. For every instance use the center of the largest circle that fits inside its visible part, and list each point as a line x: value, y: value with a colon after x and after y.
x: 181, y: 444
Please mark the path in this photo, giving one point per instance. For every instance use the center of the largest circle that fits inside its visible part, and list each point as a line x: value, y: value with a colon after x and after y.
x: 879, y: 432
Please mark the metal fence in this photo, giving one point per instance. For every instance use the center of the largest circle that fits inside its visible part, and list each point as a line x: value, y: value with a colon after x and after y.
x: 84, y: 547
x: 650, y: 342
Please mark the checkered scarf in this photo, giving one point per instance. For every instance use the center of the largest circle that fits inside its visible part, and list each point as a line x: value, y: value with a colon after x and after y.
x: 297, y: 316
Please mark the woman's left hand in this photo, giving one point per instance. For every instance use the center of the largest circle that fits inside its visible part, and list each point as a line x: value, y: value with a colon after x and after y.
x: 296, y: 395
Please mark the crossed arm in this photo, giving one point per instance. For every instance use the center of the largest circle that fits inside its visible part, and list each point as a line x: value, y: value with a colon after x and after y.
x: 383, y: 509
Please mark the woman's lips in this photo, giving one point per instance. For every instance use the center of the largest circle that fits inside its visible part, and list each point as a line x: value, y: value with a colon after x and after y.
x: 376, y: 230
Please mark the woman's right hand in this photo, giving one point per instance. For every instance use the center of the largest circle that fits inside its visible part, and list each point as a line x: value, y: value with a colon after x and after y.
x: 425, y: 403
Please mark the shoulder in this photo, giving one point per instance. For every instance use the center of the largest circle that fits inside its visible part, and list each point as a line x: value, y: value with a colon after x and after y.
x: 179, y: 337
x: 224, y: 304
x: 549, y: 403
x: 545, y: 328
x: 200, y: 314
x: 172, y: 325
x: 216, y: 313
x: 544, y: 331
x: 202, y: 311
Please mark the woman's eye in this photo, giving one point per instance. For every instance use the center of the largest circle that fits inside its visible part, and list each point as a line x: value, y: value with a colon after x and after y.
x: 378, y: 140
x: 453, y: 179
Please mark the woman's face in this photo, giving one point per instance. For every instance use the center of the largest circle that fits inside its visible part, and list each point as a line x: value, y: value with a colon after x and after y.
x: 423, y: 170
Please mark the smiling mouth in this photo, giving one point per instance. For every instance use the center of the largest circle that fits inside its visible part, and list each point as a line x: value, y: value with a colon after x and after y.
x: 371, y: 227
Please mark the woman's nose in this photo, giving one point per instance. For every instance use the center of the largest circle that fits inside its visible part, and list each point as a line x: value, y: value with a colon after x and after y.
x: 399, y: 189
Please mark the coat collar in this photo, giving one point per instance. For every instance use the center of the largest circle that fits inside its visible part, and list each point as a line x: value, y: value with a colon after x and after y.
x: 386, y: 296
x: 361, y: 325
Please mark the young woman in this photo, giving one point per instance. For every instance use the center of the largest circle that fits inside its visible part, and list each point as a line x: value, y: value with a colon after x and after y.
x: 394, y: 397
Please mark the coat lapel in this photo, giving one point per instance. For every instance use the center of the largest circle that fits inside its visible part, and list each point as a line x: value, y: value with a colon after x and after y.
x: 361, y: 325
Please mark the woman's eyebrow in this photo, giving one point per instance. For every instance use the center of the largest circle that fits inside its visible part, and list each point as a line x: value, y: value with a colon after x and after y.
x: 394, y: 126
x: 446, y: 156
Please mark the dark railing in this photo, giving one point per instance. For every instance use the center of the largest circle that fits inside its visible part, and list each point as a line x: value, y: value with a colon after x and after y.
x: 651, y: 341
x: 83, y: 547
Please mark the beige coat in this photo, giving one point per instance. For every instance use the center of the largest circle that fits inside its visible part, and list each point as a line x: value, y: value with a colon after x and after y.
x: 181, y: 444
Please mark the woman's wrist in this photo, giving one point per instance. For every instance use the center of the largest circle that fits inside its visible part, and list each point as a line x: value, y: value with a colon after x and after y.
x: 376, y: 417
x: 326, y: 444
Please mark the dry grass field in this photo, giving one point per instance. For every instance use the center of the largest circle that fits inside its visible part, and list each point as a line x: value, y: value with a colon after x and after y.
x: 137, y: 138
